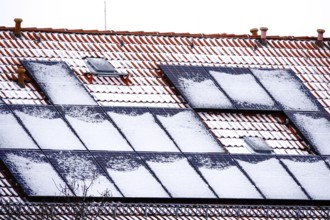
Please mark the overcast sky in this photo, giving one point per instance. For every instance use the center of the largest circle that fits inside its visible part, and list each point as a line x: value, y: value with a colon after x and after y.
x: 282, y: 17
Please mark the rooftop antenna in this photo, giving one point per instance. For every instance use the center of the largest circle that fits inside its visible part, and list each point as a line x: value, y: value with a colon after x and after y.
x: 105, y: 15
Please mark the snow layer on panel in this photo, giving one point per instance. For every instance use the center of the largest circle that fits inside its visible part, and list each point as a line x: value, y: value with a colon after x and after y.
x: 84, y: 177
x: 314, y: 176
x: 61, y: 86
x: 96, y: 132
x: 285, y: 89
x: 272, y: 179
x: 133, y: 179
x: 143, y: 132
x: 180, y: 178
x: 203, y: 93
x: 318, y: 131
x: 39, y: 176
x: 189, y: 133
x: 12, y: 135
x: 243, y: 88
x: 48, y: 131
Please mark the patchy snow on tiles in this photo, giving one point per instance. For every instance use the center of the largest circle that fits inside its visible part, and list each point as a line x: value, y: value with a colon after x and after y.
x: 48, y: 129
x: 179, y: 177
x: 244, y: 89
x: 12, y: 134
x: 203, y: 93
x: 317, y: 129
x: 285, y: 89
x: 95, y: 130
x: 59, y: 83
x: 133, y: 179
x: 189, y: 133
x: 143, y: 132
x: 313, y: 175
x: 38, y: 175
x: 272, y: 179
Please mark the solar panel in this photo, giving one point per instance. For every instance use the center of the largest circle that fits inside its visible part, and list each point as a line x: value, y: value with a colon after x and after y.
x: 197, y: 87
x: 130, y: 174
x: 312, y: 173
x: 270, y: 177
x: 58, y: 82
x: 287, y: 89
x: 242, y: 87
x: 47, y: 127
x: 12, y: 134
x: 82, y: 174
x: 141, y: 129
x: 221, y: 172
x: 187, y: 130
x: 33, y: 172
x: 177, y: 175
x: 315, y: 127
x: 94, y: 129
x: 100, y: 66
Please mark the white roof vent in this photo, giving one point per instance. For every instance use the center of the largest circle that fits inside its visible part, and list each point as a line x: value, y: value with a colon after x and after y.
x: 100, y: 66
x: 258, y: 145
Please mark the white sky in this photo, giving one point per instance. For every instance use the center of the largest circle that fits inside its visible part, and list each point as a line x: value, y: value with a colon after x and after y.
x: 282, y: 17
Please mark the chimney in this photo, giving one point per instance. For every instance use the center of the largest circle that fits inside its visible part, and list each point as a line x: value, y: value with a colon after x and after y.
x: 17, y: 30
x: 254, y: 32
x: 21, y: 76
x: 319, y: 41
x: 263, y: 35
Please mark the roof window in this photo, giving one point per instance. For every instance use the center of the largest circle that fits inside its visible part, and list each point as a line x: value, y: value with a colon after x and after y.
x: 100, y: 66
x: 258, y: 145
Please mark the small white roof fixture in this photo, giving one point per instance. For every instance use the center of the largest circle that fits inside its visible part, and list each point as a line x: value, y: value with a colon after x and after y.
x: 100, y: 66
x: 258, y: 145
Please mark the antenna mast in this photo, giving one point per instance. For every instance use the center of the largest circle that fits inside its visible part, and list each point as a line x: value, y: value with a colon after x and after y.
x: 105, y: 15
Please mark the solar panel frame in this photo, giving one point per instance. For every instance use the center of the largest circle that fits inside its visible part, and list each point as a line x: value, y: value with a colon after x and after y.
x: 27, y: 65
x: 237, y: 104
x: 172, y: 72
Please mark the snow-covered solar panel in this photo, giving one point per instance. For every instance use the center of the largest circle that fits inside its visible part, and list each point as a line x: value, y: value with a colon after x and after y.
x: 188, y: 132
x: 177, y: 175
x: 58, y: 82
x: 82, y: 173
x: 197, y: 87
x: 315, y: 127
x: 33, y: 172
x: 242, y: 87
x: 141, y: 129
x: 12, y: 134
x: 130, y: 174
x: 94, y: 129
x: 270, y: 177
x: 287, y: 89
x: 312, y: 173
x: 47, y: 127
x: 221, y: 172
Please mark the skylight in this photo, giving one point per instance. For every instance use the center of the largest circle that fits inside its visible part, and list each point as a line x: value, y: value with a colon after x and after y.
x: 100, y: 66
x: 258, y: 145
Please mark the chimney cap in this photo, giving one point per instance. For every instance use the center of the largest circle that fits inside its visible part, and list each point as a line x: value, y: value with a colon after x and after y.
x: 254, y: 30
x: 321, y: 31
x: 18, y: 19
x: 264, y: 28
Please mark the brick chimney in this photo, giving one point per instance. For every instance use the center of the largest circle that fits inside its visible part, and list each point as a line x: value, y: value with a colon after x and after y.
x: 319, y: 41
x: 254, y: 32
x: 263, y: 35
x: 17, y: 30
x: 21, y: 76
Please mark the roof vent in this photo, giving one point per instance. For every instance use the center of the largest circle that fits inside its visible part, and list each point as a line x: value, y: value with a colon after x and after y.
x: 254, y: 32
x: 21, y: 76
x: 319, y: 41
x: 263, y: 35
x: 258, y: 145
x: 17, y: 30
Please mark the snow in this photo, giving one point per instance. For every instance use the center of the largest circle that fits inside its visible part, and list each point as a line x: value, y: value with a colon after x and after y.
x: 84, y: 177
x: 40, y: 177
x: 272, y: 179
x: 318, y: 130
x: 314, y: 176
x: 48, y: 131
x: 243, y: 88
x: 96, y: 132
x: 285, y: 89
x: 12, y: 135
x: 180, y: 178
x: 143, y: 132
x: 189, y: 133
x: 134, y: 180
x: 60, y: 85
x: 203, y: 93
